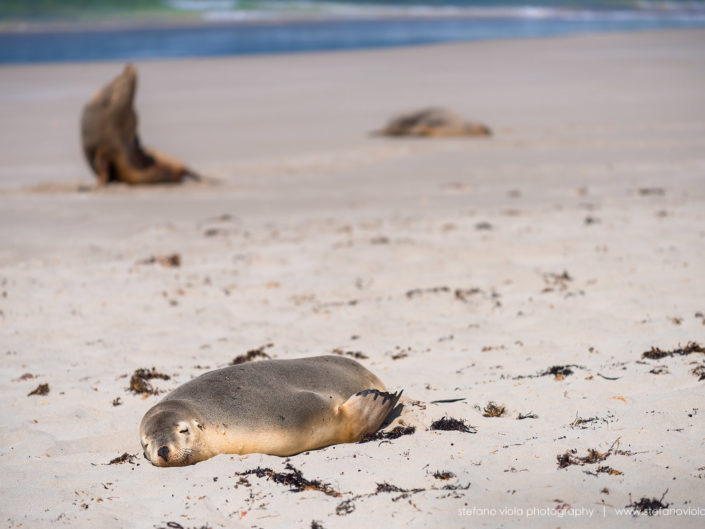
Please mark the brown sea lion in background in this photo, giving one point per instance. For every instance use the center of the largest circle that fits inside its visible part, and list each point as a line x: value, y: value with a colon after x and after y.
x: 433, y: 122
x: 110, y: 141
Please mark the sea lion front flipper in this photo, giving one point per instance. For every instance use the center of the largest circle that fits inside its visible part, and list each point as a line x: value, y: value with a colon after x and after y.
x: 365, y: 411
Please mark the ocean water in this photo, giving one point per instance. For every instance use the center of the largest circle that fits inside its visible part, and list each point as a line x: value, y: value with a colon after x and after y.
x: 229, y: 27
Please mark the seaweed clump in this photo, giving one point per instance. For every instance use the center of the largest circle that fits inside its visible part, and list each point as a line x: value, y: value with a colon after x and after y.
x: 394, y: 433
x: 593, y: 456
x: 167, y: 261
x: 656, y: 354
x: 293, y: 479
x: 124, y: 458
x: 450, y: 424
x: 41, y: 389
x: 648, y: 506
x: 443, y: 475
x: 251, y: 355
x: 493, y: 410
x: 139, y: 382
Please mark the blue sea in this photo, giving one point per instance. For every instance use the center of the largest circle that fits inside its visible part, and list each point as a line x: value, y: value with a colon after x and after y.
x: 229, y: 27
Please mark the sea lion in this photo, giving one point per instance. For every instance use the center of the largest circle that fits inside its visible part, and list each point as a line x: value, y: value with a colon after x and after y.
x: 110, y: 141
x: 278, y: 407
x: 435, y: 122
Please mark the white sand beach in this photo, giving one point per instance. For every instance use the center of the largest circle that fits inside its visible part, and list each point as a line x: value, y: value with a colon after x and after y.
x: 460, y: 269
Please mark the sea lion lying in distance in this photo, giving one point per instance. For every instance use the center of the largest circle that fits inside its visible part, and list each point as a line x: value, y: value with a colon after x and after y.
x: 278, y: 407
x: 110, y: 141
x: 433, y: 122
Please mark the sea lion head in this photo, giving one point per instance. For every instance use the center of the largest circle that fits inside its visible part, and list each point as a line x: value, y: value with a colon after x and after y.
x: 171, y: 434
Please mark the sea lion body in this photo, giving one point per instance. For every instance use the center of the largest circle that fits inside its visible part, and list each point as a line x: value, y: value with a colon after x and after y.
x: 278, y: 407
x: 110, y: 141
x: 433, y: 122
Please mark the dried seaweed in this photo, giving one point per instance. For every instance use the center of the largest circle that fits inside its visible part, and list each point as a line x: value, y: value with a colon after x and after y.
x: 559, y: 281
x: 656, y: 354
x: 492, y: 409
x: 421, y: 291
x: 649, y: 506
x: 387, y: 487
x: 463, y: 294
x: 251, y: 355
x: 293, y: 479
x: 394, y: 433
x: 530, y: 415
x: 559, y: 372
x: 604, y: 470
x: 41, y: 389
x: 450, y: 424
x: 569, y: 457
x: 345, y: 507
x: 443, y: 475
x: 139, y: 382
x: 358, y: 355
x: 699, y: 372
x: 168, y: 261
x: 647, y: 191
x: 124, y: 458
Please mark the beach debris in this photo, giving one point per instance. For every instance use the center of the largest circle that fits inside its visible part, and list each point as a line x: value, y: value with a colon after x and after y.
x: 139, y: 382
x: 699, y: 372
x: 559, y: 372
x: 388, y: 488
x: 421, y: 291
x: 530, y: 415
x: 345, y: 507
x: 448, y: 401
x: 433, y: 122
x: 111, y: 144
x: 656, y: 354
x: 555, y: 281
x: 607, y: 378
x: 124, y: 458
x: 451, y: 424
x: 117, y: 401
x: 252, y: 355
x: 486, y: 226
x: 652, y: 191
x: 172, y: 260
x: 589, y: 220
x: 177, y: 525
x: 41, y: 390
x: 394, y: 433
x: 492, y: 409
x: 605, y: 470
x: 650, y: 506
x: 293, y: 479
x: 569, y: 457
x: 444, y: 475
x: 25, y: 376
x: 581, y: 423
x: 463, y: 294
x: 315, y: 524
x: 358, y: 355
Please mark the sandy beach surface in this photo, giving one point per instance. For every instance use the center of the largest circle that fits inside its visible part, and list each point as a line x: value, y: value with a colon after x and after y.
x: 532, y: 269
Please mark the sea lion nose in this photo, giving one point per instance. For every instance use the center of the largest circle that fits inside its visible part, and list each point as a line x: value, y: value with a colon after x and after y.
x: 163, y: 452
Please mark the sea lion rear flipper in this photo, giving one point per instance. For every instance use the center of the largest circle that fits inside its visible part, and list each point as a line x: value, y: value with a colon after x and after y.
x: 365, y: 411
